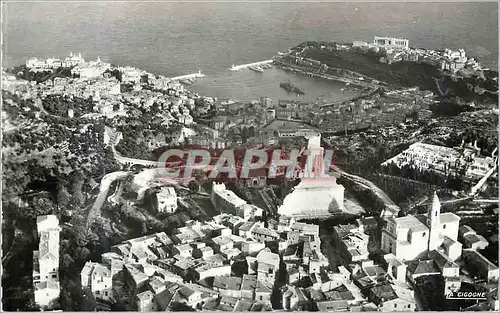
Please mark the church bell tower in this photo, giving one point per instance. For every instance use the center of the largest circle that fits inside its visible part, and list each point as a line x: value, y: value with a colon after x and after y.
x: 434, y: 223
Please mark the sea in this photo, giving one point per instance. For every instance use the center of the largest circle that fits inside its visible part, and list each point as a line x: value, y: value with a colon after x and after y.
x: 177, y: 38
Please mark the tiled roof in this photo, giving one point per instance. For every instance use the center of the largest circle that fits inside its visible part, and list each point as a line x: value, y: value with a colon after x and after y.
x: 227, y: 282
x: 265, y: 232
x: 426, y: 267
x: 249, y: 282
x: 243, y: 305
x: 145, y: 295
x: 385, y: 292
x: 101, y: 270
x: 261, y: 287
x: 185, y: 291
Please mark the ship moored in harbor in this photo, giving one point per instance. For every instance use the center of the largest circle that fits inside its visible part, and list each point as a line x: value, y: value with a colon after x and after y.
x: 291, y: 88
x: 256, y: 69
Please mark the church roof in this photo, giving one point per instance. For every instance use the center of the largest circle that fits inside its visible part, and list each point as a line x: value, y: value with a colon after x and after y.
x: 448, y: 217
x: 410, y: 222
x: 425, y: 267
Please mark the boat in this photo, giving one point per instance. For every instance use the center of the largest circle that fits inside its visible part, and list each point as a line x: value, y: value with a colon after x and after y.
x: 291, y: 88
x: 256, y: 69
x: 186, y: 81
x: 266, y: 66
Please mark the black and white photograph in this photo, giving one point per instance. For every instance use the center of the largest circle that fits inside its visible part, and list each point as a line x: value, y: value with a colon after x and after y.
x: 246, y: 156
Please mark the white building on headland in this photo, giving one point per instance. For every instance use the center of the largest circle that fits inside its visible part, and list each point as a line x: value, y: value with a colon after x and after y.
x: 53, y: 63
x: 46, y: 261
x: 411, y: 237
x: 91, y: 69
x: 389, y: 42
x: 73, y: 60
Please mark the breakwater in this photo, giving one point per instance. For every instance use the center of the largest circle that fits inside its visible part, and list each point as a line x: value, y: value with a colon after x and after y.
x: 242, y: 66
x: 188, y: 76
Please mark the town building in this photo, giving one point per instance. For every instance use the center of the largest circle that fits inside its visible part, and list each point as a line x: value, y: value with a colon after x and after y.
x: 352, y: 243
x: 411, y: 237
x: 470, y: 239
x: 225, y: 200
x: 249, y: 211
x: 46, y: 261
x: 90, y: 69
x: 392, y: 298
x: 98, y: 278
x: 480, y: 266
x: 35, y: 64
x: 449, y: 270
x: 294, y: 298
x: 390, y: 42
x: 396, y: 268
x: 445, y: 160
x: 167, y: 200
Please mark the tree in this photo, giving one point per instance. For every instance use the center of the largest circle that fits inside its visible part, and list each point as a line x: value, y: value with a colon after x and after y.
x: 67, y: 261
x: 63, y: 196
x: 82, y: 253
x: 32, y: 305
x: 81, y: 239
x: 40, y: 206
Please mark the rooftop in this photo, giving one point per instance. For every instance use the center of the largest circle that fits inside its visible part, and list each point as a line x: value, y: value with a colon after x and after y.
x: 441, y: 259
x: 423, y: 267
x: 305, y: 228
x: 222, y: 240
x: 249, y: 282
x: 384, y: 292
x: 265, y: 232
x: 448, y: 217
x: 227, y: 282
x: 167, y: 192
x: 410, y: 222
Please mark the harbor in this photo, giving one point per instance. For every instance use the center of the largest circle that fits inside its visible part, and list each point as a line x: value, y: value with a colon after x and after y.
x: 249, y: 85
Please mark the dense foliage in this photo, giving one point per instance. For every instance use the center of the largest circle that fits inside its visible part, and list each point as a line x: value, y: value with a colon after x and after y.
x: 23, y: 72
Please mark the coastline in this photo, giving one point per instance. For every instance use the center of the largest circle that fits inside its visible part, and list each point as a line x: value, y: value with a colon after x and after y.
x: 288, y: 67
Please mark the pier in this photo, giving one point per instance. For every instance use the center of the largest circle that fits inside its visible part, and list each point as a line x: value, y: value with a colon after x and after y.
x: 239, y: 67
x: 194, y: 75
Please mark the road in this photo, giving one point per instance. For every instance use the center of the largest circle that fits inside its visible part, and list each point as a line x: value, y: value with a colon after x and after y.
x: 124, y: 160
x: 369, y: 185
x: 103, y: 192
x: 116, y: 195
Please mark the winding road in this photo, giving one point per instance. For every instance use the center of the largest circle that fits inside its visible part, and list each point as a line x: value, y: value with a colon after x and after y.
x: 389, y: 204
x: 103, y: 192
